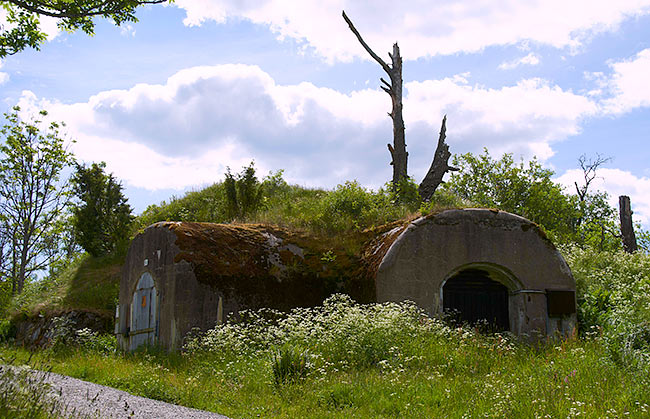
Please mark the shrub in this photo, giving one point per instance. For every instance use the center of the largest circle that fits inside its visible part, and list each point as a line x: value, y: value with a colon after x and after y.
x: 339, y: 334
x: 614, y: 297
x: 7, y: 330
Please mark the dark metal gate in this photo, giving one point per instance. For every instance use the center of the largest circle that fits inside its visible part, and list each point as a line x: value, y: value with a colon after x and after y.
x: 474, y: 296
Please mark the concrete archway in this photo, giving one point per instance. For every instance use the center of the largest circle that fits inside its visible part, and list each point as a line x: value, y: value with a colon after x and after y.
x: 507, y: 249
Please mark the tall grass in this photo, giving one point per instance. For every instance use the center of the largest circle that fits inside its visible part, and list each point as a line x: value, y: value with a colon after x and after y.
x: 345, y: 360
x: 26, y: 394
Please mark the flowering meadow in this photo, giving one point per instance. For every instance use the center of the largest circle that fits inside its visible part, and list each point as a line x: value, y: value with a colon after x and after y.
x: 343, y: 359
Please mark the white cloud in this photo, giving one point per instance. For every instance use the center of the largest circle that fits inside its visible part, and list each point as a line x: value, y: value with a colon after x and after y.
x: 524, y: 119
x: 186, y: 131
x: 127, y: 30
x: 530, y: 59
x: 616, y: 182
x: 4, y: 77
x: 422, y: 28
x: 628, y: 84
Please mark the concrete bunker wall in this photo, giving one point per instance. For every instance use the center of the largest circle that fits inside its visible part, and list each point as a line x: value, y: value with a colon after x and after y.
x: 182, y: 302
x: 509, y: 249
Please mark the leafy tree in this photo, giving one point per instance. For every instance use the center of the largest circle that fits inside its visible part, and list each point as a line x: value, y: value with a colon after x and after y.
x: 102, y: 217
x: 32, y: 197
x: 522, y: 189
x: 24, y: 26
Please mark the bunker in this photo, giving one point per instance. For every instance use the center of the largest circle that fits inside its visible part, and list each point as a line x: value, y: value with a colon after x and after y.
x: 484, y: 265
x: 180, y: 276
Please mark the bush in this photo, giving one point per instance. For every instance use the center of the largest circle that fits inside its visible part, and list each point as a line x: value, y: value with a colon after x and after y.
x: 339, y: 334
x: 7, y: 330
x: 614, y: 298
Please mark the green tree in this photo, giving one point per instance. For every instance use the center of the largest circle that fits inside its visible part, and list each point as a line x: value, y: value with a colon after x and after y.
x: 22, y: 29
x: 32, y: 196
x: 526, y: 190
x: 101, y: 217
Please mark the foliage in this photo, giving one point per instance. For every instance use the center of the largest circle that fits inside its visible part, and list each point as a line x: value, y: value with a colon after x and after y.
x: 406, y: 192
x: 598, y: 226
x: 526, y: 190
x: 23, y: 31
x: 243, y: 193
x: 86, y: 283
x: 614, y: 299
x: 343, y: 332
x: 24, y: 25
x: 66, y: 337
x: 7, y: 330
x: 32, y: 196
x: 102, y: 217
x: 347, y: 208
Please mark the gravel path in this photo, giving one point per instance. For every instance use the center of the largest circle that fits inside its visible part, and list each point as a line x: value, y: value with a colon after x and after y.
x: 84, y: 399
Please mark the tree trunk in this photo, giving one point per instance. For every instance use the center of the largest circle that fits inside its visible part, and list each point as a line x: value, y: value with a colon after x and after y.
x: 399, y: 156
x: 439, y: 166
x: 627, y: 229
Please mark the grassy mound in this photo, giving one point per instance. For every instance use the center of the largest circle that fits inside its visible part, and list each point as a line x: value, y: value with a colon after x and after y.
x: 87, y: 284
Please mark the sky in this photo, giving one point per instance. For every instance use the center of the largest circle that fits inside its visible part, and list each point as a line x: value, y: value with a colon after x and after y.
x: 171, y: 101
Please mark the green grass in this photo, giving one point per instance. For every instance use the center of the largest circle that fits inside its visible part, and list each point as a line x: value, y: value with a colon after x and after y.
x: 88, y: 283
x: 379, y: 360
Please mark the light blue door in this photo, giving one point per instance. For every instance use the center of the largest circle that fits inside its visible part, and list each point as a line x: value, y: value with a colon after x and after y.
x: 143, y: 312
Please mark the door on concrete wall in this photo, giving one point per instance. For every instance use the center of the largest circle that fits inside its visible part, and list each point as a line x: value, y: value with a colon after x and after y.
x: 143, y: 313
x: 474, y: 297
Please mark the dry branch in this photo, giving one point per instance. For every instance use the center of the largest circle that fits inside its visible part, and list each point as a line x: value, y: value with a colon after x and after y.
x: 439, y: 166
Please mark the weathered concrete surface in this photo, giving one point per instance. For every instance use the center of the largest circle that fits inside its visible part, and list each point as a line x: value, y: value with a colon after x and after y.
x: 196, y: 265
x: 513, y: 250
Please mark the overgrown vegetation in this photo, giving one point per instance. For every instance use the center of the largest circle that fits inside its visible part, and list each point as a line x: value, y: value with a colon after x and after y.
x: 379, y: 360
x: 614, y: 301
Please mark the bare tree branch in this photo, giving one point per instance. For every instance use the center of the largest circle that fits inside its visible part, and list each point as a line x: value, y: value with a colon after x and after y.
x: 354, y: 30
x: 439, y: 166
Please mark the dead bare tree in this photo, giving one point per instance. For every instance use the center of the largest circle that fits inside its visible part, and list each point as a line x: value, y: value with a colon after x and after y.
x: 398, y: 152
x: 589, y: 168
x: 627, y: 230
x: 439, y: 166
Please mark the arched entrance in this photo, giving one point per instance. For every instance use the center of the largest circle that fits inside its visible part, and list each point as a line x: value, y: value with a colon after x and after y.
x: 143, y: 313
x: 475, y: 297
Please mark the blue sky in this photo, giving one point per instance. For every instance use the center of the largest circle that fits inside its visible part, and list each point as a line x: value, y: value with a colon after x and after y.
x: 170, y: 101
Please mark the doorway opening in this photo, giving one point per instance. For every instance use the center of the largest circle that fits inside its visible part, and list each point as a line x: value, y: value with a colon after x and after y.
x: 472, y: 297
